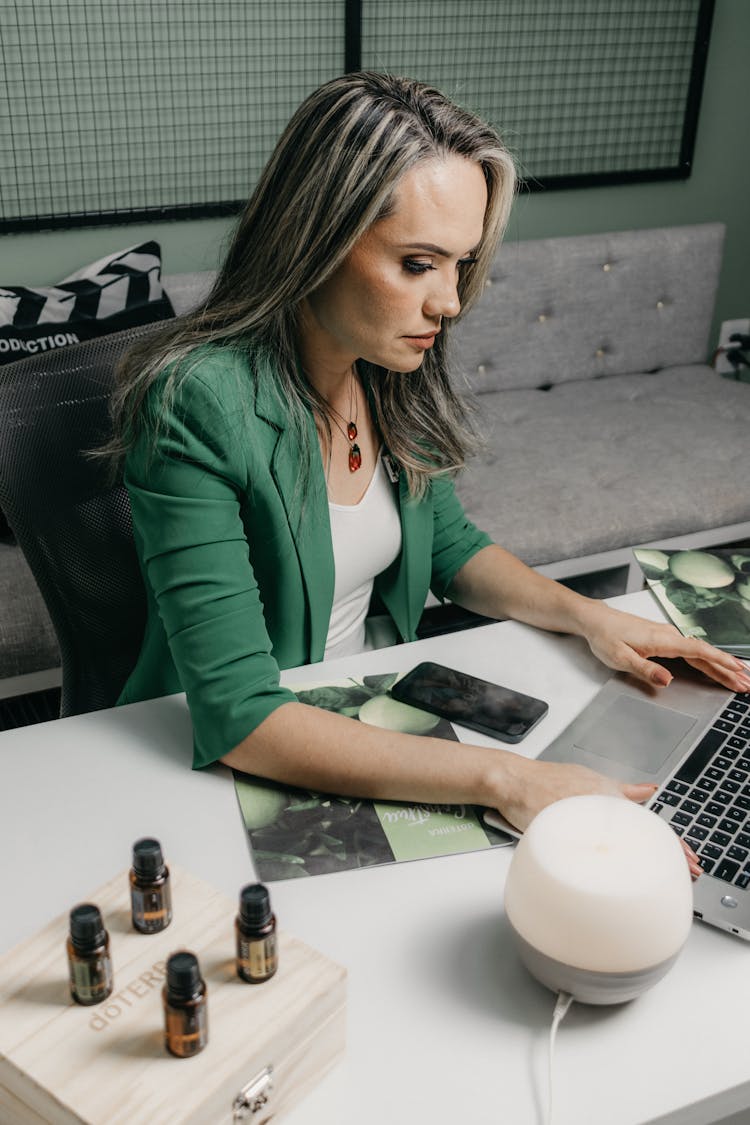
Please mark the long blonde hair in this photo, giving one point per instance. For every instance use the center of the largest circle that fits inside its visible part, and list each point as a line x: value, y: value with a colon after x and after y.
x: 332, y: 174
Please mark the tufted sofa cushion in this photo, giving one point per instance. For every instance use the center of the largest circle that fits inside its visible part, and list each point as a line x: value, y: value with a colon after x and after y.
x: 561, y: 309
x: 187, y: 290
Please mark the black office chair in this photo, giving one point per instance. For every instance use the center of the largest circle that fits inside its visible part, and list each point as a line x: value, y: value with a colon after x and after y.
x: 73, y: 525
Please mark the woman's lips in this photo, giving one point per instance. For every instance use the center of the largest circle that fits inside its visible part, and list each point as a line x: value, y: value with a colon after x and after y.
x: 423, y: 342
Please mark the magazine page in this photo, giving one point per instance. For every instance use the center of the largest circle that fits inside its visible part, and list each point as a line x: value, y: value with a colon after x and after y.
x: 294, y: 833
x: 704, y: 593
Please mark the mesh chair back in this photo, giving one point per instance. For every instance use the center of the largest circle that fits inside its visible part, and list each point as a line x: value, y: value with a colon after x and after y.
x: 72, y: 523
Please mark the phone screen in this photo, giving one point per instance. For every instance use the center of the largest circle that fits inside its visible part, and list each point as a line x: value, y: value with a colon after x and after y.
x: 489, y: 708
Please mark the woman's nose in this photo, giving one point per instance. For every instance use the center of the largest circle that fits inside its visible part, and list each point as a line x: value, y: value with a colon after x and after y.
x: 443, y: 299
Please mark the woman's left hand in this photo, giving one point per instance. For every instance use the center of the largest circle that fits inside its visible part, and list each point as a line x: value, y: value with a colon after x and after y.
x: 627, y: 643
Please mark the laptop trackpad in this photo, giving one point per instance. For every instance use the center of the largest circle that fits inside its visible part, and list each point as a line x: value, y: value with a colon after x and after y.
x: 635, y: 732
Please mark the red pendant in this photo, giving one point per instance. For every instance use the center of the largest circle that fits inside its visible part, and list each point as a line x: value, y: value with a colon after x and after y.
x: 351, y: 431
x: 355, y: 458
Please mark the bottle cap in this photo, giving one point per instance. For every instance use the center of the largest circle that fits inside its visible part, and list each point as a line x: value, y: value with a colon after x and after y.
x: 86, y: 927
x: 183, y: 975
x: 147, y: 857
x: 255, y: 905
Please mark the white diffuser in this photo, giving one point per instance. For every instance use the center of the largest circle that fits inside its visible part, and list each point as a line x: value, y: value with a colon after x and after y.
x: 599, y: 897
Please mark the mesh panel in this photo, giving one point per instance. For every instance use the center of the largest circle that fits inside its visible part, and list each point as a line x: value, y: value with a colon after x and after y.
x: 577, y: 87
x: 145, y: 110
x: 72, y: 523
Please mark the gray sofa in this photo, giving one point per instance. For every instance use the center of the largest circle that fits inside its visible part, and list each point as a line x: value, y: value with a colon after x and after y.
x: 604, y: 427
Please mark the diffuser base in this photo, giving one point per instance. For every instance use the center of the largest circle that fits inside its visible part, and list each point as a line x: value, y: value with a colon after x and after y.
x: 586, y: 986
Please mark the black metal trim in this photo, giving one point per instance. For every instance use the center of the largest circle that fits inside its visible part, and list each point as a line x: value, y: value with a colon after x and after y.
x: 121, y: 218
x: 352, y: 36
x: 695, y: 89
x: 604, y: 179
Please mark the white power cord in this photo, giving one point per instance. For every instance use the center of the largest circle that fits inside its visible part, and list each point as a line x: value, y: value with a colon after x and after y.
x: 563, y: 1002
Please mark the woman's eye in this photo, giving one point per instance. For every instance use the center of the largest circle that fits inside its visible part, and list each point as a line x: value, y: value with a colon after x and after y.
x: 415, y: 266
x: 411, y: 265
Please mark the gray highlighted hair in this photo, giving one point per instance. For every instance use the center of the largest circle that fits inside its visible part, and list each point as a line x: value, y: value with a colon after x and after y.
x: 334, y: 173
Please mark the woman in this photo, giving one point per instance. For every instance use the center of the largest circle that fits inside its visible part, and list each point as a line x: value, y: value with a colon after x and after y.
x: 264, y: 513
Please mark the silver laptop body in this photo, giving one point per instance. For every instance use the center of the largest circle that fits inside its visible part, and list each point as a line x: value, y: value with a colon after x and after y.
x: 636, y: 733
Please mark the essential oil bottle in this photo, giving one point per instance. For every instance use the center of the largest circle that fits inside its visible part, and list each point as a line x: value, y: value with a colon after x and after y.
x: 185, y: 1007
x: 150, y: 891
x: 91, y: 977
x: 255, y: 926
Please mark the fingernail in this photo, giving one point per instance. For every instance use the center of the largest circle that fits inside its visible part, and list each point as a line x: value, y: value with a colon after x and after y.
x: 661, y: 678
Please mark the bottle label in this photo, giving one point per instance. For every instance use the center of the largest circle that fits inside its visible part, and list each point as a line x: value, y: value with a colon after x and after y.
x: 186, y: 1029
x: 258, y: 958
x: 152, y: 909
x: 91, y: 980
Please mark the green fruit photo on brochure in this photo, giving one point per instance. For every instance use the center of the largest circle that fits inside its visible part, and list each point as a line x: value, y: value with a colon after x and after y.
x: 705, y: 593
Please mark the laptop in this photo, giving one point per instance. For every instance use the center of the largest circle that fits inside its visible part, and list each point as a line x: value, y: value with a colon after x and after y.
x: 692, y: 739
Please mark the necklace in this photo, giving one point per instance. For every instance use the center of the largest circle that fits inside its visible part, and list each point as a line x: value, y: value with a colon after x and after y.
x: 349, y: 429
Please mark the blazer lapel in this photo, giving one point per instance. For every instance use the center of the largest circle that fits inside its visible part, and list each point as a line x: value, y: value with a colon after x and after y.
x: 306, y: 506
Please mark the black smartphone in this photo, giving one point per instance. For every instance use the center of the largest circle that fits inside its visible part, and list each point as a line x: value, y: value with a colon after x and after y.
x: 489, y: 708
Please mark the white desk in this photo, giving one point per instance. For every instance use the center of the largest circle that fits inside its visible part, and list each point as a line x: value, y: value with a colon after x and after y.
x: 445, y: 1026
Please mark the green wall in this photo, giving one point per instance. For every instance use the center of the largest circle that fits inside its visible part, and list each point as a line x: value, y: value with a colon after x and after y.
x: 719, y: 188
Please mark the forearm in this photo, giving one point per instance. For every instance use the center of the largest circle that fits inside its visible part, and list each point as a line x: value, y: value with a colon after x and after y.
x: 311, y: 748
x: 497, y: 584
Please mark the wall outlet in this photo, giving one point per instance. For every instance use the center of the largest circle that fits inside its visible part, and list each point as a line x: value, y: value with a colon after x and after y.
x: 728, y: 327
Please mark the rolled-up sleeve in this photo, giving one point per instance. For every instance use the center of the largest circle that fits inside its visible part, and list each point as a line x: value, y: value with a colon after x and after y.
x: 455, y: 538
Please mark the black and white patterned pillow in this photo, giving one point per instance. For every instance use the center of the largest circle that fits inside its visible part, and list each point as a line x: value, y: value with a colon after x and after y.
x: 120, y: 291
x: 117, y: 292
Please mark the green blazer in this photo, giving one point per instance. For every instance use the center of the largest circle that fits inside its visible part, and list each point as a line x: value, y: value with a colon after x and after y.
x: 237, y: 557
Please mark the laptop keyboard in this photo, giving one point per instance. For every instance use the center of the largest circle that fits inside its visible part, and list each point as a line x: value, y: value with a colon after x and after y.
x: 707, y: 801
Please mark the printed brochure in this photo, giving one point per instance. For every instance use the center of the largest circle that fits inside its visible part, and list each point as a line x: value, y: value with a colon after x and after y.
x: 295, y: 833
x: 704, y: 593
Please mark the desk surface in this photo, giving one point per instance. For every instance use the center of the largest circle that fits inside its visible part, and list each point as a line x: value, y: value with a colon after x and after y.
x: 445, y: 1025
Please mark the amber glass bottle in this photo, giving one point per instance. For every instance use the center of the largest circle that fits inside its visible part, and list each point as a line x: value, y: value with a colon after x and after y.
x: 255, y: 926
x: 150, y: 891
x: 185, y: 1007
x: 91, y: 977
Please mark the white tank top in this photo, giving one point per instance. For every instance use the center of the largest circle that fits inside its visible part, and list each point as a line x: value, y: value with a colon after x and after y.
x: 366, y: 540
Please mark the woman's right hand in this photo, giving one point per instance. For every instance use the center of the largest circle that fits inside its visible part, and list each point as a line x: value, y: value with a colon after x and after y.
x: 534, y: 785
x: 528, y: 786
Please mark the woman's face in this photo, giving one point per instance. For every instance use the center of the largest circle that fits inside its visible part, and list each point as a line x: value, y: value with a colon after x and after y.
x: 386, y: 302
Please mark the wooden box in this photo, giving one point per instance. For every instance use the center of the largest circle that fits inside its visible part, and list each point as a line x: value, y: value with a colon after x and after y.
x: 106, y: 1064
